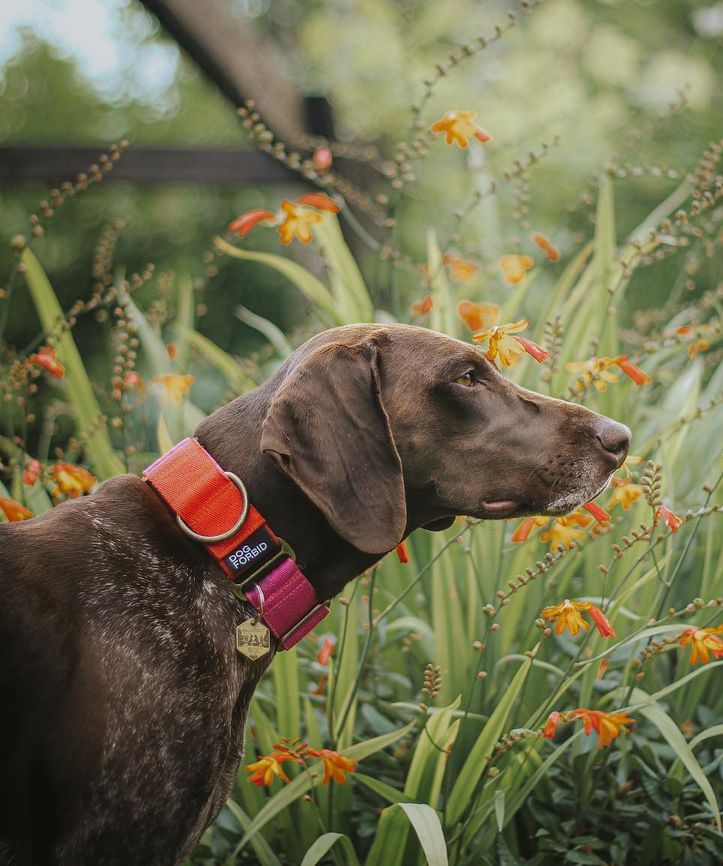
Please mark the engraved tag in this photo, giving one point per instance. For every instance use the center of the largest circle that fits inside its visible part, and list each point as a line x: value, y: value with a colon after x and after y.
x: 252, y: 639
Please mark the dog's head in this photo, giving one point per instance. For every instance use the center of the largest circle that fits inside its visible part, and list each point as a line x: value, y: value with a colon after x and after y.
x: 386, y: 428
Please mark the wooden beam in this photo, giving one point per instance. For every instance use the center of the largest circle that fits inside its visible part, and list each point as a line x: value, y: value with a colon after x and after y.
x: 143, y: 166
x: 237, y: 57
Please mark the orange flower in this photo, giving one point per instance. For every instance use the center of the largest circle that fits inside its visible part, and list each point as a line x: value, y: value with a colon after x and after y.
x: 243, y: 225
x: 625, y: 493
x: 32, y: 473
x: 134, y: 380
x: 421, y: 308
x: 569, y: 615
x: 551, y: 251
x: 268, y: 766
x: 72, y: 480
x: 553, y: 721
x: 293, y: 220
x: 514, y: 267
x: 522, y: 533
x: 175, y: 385
x: 506, y: 346
x: 14, y: 511
x: 327, y: 648
x: 458, y: 127
x: 47, y: 358
x: 608, y: 726
x: 461, y: 270
x: 403, y: 552
x: 638, y: 376
x: 597, y: 512
x: 702, y: 640
x: 476, y: 316
x: 335, y: 765
x: 671, y: 520
x: 562, y: 532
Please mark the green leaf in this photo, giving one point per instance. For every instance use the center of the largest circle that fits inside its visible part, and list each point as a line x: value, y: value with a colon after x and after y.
x: 347, y: 282
x: 475, y: 764
x: 306, y: 282
x: 500, y: 809
x: 77, y: 384
x: 392, y: 832
x: 671, y: 732
x: 392, y: 795
x: 324, y: 844
x: 183, y: 325
x: 262, y: 848
x: 286, y: 687
x: 272, y: 332
x: 226, y: 364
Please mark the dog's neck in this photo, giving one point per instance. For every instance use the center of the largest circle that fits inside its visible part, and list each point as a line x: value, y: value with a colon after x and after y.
x: 232, y: 435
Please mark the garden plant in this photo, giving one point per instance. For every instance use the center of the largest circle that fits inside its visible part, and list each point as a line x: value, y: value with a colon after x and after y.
x: 535, y: 691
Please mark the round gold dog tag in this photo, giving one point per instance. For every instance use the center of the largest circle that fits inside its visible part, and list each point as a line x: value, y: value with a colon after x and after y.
x: 252, y: 639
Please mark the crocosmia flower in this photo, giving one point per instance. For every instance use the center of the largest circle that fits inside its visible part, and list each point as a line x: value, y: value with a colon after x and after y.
x: 293, y: 219
x: 597, y: 512
x: 32, y: 473
x: 175, y: 385
x: 336, y: 765
x: 563, y: 533
x: 640, y: 377
x: 514, y: 267
x: 403, y: 552
x: 549, y: 249
x: 72, y: 480
x: 671, y: 520
x: 596, y: 371
x: 478, y: 316
x: 625, y: 492
x: 461, y: 270
x: 608, y: 726
x: 522, y: 533
x: 14, y: 511
x: 47, y: 358
x: 503, y: 343
x: 263, y: 771
x: 327, y: 648
x: 569, y: 615
x: 421, y: 308
x: 703, y: 641
x: 458, y: 127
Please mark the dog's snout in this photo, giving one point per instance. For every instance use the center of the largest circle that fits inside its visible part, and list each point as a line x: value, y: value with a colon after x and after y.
x: 615, y: 440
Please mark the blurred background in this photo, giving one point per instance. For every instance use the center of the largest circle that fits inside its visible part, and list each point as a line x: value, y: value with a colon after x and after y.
x: 637, y: 82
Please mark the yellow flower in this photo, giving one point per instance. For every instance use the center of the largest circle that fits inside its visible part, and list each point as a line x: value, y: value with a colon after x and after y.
x: 268, y: 766
x: 595, y: 372
x: 514, y: 267
x: 175, y: 385
x: 458, y: 127
x: 335, y: 765
x: 296, y: 222
x: 702, y: 640
x: 507, y: 347
x: 72, y: 480
x: 562, y: 532
x: 567, y: 615
x: 624, y: 493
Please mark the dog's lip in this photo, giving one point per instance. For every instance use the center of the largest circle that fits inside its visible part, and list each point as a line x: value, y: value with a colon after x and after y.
x: 501, y: 507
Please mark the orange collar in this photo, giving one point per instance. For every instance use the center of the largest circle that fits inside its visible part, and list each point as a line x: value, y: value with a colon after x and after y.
x: 213, y: 508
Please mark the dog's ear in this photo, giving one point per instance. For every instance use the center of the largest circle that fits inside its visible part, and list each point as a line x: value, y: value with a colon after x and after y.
x: 328, y: 430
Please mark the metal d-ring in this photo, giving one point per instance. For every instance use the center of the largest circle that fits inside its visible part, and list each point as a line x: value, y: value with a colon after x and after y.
x: 214, y: 539
x: 260, y: 612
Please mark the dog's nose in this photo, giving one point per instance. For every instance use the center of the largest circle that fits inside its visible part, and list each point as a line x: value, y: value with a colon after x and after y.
x: 615, y: 441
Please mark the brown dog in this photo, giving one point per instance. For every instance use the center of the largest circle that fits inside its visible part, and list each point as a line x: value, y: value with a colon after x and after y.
x: 124, y: 696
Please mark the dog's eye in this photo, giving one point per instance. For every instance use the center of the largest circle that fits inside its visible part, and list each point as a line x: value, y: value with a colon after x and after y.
x: 467, y: 380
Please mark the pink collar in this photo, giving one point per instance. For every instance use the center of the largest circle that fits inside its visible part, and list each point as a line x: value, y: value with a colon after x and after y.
x: 213, y: 508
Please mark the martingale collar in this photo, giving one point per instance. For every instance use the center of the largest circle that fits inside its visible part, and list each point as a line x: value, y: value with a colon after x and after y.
x: 213, y: 508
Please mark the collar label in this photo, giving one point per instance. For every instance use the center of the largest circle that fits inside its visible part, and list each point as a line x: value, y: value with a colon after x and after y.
x: 252, y: 552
